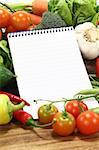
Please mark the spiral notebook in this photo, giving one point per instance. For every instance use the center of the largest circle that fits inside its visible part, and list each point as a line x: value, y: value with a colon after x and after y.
x: 48, y: 65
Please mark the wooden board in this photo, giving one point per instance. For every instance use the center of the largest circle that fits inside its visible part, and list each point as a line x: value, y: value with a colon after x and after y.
x: 16, y: 137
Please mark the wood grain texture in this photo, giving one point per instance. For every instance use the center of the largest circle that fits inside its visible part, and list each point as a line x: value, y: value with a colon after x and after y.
x: 16, y: 137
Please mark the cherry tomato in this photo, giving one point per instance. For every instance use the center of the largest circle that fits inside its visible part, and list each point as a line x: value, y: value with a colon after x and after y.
x: 10, y: 29
x: 0, y: 35
x: 46, y: 113
x: 88, y: 122
x: 97, y: 67
x: 4, y: 17
x: 64, y: 125
x: 75, y: 107
x: 20, y: 20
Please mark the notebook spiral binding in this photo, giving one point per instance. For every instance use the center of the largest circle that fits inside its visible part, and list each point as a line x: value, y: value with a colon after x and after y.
x: 41, y: 31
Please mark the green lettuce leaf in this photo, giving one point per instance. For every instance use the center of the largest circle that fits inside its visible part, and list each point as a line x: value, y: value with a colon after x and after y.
x: 63, y: 8
x: 83, y: 11
x: 5, y: 58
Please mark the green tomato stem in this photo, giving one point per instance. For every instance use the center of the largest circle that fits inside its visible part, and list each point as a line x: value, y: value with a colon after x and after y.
x: 66, y: 100
x: 49, y: 107
x: 32, y: 123
x: 64, y: 114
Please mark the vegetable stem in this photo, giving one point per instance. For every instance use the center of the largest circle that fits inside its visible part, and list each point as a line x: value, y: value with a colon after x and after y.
x: 66, y: 100
x: 18, y: 106
x: 5, y: 5
x: 21, y: 6
x: 32, y: 123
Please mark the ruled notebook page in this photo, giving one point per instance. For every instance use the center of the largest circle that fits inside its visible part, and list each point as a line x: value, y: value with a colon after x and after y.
x: 48, y: 65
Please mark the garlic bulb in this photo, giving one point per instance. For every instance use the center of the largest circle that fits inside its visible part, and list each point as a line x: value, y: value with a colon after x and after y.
x: 88, y: 40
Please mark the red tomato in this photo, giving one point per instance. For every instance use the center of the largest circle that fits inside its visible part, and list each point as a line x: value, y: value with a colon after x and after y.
x: 10, y: 29
x: 88, y: 122
x: 4, y: 17
x: 97, y: 67
x: 46, y: 113
x: 64, y: 124
x: 0, y: 35
x: 75, y: 107
x: 20, y: 20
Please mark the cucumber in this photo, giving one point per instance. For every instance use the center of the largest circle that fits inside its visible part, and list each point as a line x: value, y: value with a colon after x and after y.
x: 5, y: 76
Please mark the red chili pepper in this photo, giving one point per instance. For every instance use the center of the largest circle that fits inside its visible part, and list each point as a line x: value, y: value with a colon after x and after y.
x: 15, y: 98
x: 26, y: 119
x: 23, y: 117
x: 97, y: 67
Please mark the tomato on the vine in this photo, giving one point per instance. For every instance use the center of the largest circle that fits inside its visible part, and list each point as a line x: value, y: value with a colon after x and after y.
x: 20, y: 20
x: 46, y: 113
x: 64, y: 124
x: 4, y: 17
x: 75, y: 107
x: 88, y: 122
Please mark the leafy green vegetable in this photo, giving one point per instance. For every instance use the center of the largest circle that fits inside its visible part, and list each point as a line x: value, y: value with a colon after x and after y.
x: 1, y: 59
x: 62, y: 8
x: 74, y: 12
x: 5, y: 76
x: 83, y: 11
x: 95, y: 19
x: 94, y: 80
x: 5, y: 54
x: 50, y: 20
x: 70, y: 4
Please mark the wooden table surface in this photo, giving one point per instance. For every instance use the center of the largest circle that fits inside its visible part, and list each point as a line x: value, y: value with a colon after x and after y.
x: 16, y: 137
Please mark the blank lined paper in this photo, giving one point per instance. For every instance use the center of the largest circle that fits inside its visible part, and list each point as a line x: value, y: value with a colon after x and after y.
x: 48, y: 64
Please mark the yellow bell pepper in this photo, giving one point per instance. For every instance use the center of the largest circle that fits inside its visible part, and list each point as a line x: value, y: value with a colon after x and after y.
x: 7, y: 108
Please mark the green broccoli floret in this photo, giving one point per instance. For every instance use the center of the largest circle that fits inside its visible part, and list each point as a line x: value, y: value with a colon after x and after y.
x: 50, y: 20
